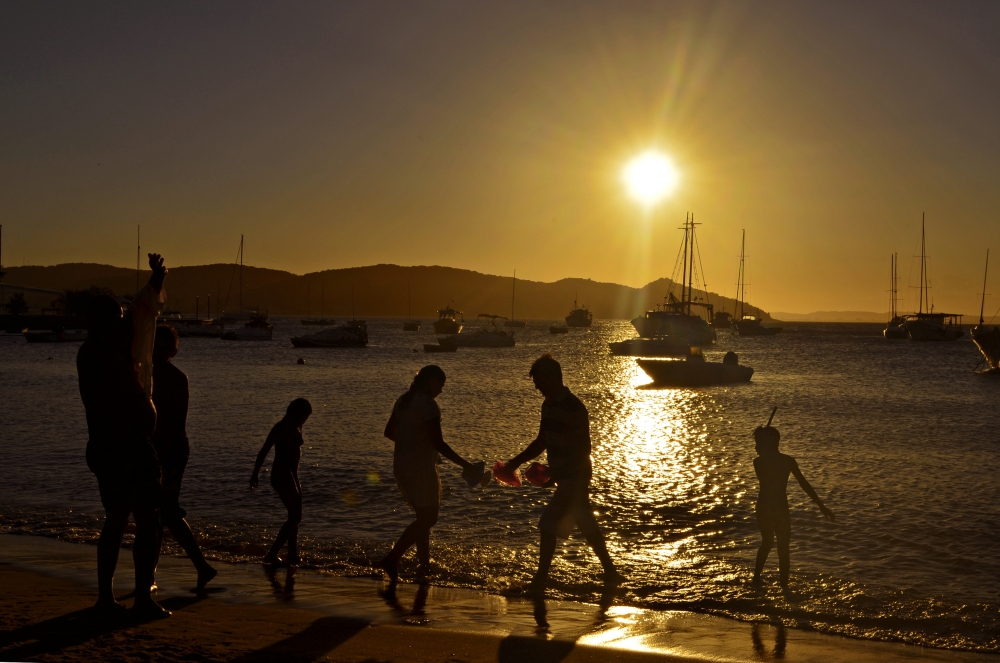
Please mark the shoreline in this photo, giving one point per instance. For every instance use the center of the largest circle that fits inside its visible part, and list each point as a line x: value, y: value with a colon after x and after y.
x: 307, y: 606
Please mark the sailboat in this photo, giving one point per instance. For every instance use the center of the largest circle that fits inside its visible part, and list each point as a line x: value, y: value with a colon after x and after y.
x: 672, y: 328
x: 746, y: 324
x: 925, y: 324
x: 410, y: 324
x: 321, y: 321
x: 896, y: 328
x: 512, y: 322
x: 987, y: 339
x: 256, y: 327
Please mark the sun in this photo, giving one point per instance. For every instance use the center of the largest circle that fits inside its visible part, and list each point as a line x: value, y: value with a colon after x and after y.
x: 650, y: 177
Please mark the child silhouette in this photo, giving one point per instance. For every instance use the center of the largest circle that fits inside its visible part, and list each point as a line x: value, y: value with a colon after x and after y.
x: 773, y: 468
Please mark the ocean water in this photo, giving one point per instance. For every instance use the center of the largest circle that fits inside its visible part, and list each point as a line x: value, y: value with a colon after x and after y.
x: 900, y: 439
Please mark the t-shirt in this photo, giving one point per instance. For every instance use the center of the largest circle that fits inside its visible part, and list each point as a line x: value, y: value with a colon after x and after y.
x: 565, y: 428
x: 414, y: 453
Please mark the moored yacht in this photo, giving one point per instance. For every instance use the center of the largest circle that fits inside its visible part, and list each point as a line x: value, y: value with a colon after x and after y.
x: 579, y: 316
x: 747, y: 324
x: 488, y: 336
x: 447, y: 323
x: 895, y: 329
x: 926, y: 324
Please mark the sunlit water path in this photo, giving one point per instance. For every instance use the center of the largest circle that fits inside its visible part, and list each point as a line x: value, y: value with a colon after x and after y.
x: 901, y: 440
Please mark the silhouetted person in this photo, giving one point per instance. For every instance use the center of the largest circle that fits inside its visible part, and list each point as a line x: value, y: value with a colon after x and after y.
x: 286, y: 438
x: 120, y: 420
x: 772, y: 469
x: 415, y: 427
x: 170, y: 396
x: 565, y: 434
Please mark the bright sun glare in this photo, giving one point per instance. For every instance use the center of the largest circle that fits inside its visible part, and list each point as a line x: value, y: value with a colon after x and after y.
x: 650, y: 177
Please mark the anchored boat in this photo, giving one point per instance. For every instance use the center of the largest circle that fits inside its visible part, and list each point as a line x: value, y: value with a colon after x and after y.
x: 579, y: 316
x: 926, y: 324
x: 446, y: 322
x: 488, y: 336
x: 695, y: 371
x: 512, y: 322
x: 747, y: 324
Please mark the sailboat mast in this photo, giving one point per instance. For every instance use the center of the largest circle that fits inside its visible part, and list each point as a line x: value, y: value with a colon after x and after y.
x: 741, y: 280
x: 513, y: 286
x: 409, y: 312
x: 137, y: 247
x: 923, y: 261
x: 322, y: 299
x: 307, y: 300
x: 985, y: 272
x: 241, y: 273
x: 684, y: 276
x: 691, y: 274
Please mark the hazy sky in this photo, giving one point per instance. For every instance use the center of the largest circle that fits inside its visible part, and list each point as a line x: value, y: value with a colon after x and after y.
x: 491, y: 136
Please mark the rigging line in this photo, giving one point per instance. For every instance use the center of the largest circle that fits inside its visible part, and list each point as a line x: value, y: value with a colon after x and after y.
x: 673, y: 275
x: 701, y: 268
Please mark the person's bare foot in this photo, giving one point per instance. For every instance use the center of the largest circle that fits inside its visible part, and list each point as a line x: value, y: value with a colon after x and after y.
x: 270, y: 560
x: 612, y: 578
x: 390, y: 568
x: 423, y: 575
x: 145, y: 609
x: 205, y: 576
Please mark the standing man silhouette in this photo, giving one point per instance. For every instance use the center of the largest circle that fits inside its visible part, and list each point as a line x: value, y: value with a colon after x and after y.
x: 565, y: 435
x: 115, y: 376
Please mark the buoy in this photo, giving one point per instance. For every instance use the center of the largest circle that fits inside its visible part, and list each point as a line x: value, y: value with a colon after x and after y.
x: 301, y: 361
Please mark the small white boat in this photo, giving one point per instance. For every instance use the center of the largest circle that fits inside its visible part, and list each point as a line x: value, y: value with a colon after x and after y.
x: 694, y: 371
x: 490, y: 336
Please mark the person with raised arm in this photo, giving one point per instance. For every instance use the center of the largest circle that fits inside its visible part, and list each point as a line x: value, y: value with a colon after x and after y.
x: 773, y: 468
x: 286, y: 438
x: 564, y: 434
x: 415, y: 428
x: 115, y: 375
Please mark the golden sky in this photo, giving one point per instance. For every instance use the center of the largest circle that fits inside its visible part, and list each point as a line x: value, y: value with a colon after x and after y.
x: 491, y: 136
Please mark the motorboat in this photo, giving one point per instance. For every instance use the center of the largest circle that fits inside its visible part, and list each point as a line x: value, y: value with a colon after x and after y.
x: 411, y: 325
x: 579, y: 316
x: 649, y: 347
x: 343, y: 336
x: 747, y: 324
x: 488, y: 336
x: 695, y: 371
x: 443, y: 345
x: 256, y: 329
x: 447, y: 322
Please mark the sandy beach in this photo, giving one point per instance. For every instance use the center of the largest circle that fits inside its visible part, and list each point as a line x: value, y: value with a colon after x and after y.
x: 46, y: 591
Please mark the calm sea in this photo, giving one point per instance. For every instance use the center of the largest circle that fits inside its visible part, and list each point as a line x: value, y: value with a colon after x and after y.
x: 900, y: 439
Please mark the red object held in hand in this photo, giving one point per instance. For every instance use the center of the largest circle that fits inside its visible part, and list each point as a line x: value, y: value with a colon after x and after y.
x: 505, y: 477
x: 538, y: 474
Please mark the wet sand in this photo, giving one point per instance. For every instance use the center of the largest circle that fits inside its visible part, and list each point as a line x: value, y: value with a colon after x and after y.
x: 46, y: 588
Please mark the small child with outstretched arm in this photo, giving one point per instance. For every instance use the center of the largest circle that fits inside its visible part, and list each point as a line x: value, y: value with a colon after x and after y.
x: 773, y: 468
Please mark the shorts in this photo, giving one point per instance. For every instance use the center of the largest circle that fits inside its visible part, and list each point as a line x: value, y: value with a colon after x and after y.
x: 569, y: 507
x: 420, y: 490
x: 128, y: 476
x: 774, y: 521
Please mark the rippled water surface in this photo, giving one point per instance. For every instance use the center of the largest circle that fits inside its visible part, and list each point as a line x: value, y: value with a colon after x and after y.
x: 901, y: 440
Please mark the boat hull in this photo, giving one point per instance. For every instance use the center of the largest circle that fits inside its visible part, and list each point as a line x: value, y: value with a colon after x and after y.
x: 447, y: 327
x: 987, y: 339
x: 579, y: 318
x: 895, y: 333
x: 649, y: 347
x: 411, y: 326
x: 755, y: 329
x: 689, y: 329
x: 679, y: 373
x: 919, y: 330
x: 555, y: 329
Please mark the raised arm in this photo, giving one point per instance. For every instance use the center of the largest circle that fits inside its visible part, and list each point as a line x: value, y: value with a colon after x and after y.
x: 809, y: 490
x: 268, y: 443
x: 437, y: 441
x: 159, y: 271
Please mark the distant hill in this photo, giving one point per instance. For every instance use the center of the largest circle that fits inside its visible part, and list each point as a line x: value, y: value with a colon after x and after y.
x: 378, y: 290
x: 832, y: 316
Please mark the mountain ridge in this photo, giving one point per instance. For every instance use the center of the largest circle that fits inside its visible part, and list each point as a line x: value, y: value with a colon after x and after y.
x: 373, y: 290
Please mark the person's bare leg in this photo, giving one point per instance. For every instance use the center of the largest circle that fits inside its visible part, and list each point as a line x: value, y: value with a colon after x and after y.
x: 288, y: 533
x: 766, y: 542
x: 185, y: 539
x: 144, y: 553
x: 427, y: 517
x: 546, y: 550
x: 595, y: 537
x: 108, y: 546
x: 784, y: 537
